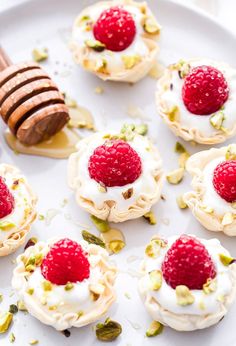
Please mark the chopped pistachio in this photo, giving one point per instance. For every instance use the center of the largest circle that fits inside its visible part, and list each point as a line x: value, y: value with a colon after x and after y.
x: 80, y: 314
x: 38, y: 259
x: 183, y: 68
x: 210, y: 286
x: 231, y: 152
x: 33, y: 342
x: 69, y: 286
x: 101, y: 225
x: 179, y: 148
x: 52, y: 307
x: 155, y: 277
x: 181, y: 203
x: 150, y: 217
x: 201, y: 305
x: 116, y: 245
x: 31, y: 242
x: 99, y: 90
x: 95, y: 45
x: 92, y: 239
x: 228, y: 218
x: 101, y: 66
x: 40, y: 54
x: 12, y: 338
x: 154, y: 247
x: 127, y: 295
x: 226, y: 260
x: 30, y: 291
x: 154, y: 329
x: 151, y: 26
x: 183, y: 158
x: 173, y: 113
x: 176, y: 176
x: 31, y: 260
x: 141, y: 129
x: 5, y: 321
x: 30, y: 268
x: 183, y: 295
x: 130, y: 61
x: 217, y: 119
x: 102, y: 188
x: 108, y: 331
x: 21, y: 305
x: 128, y: 194
x: 6, y: 225
x: 47, y: 286
x: 13, y: 309
x: 41, y: 217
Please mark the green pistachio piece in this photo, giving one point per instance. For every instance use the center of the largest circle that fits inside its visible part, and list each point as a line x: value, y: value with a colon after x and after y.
x: 47, y: 286
x: 5, y: 321
x: 154, y: 329
x: 101, y: 225
x: 40, y: 54
x: 155, y: 277
x: 95, y: 45
x: 13, y: 309
x: 101, y: 67
x: 183, y: 158
x: 176, y: 176
x: 231, y: 152
x: 6, y: 225
x: 108, y: 331
x: 228, y: 218
x: 30, y: 268
x: 181, y: 203
x: 116, y: 246
x: 128, y: 194
x: 80, y: 314
x: 154, y: 247
x: 179, y: 148
x: 33, y: 342
x: 12, y: 338
x: 30, y: 291
x: 217, y: 119
x: 141, y: 129
x: 92, y: 239
x: 151, y: 26
x: 226, y: 260
x: 210, y: 286
x: 173, y: 113
x: 184, y: 296
x: 183, y: 68
x: 21, y: 305
x: 150, y: 217
x: 130, y: 61
x: 69, y: 286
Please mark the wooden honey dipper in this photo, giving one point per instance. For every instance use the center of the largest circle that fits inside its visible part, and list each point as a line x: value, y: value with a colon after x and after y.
x: 30, y: 102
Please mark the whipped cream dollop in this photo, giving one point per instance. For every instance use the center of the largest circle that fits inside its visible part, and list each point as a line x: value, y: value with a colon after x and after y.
x: 24, y: 203
x: 88, y: 188
x: 210, y: 196
x: 203, y: 304
x: 74, y: 304
x: 173, y: 97
x: 113, y: 60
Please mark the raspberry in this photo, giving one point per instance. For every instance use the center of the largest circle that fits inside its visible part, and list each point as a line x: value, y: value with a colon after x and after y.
x: 115, y: 163
x: 115, y: 28
x: 7, y: 201
x: 188, y: 263
x: 224, y: 180
x: 65, y: 262
x: 205, y: 90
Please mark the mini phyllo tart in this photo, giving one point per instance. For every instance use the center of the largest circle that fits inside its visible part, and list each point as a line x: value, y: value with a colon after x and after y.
x: 17, y: 208
x: 116, y: 179
x: 196, y: 98
x: 213, y: 199
x: 65, y: 283
x: 187, y: 283
x: 116, y: 40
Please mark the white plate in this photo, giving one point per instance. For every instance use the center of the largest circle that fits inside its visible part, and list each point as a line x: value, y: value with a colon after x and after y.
x: 185, y: 34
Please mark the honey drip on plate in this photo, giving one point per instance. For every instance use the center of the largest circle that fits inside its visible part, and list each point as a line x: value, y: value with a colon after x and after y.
x: 80, y: 117
x: 59, y: 146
